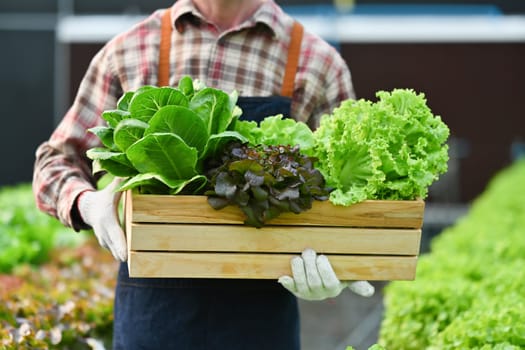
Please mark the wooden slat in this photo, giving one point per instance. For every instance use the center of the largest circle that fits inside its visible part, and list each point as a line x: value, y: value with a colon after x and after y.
x: 265, y: 266
x: 195, y: 210
x: 274, y: 239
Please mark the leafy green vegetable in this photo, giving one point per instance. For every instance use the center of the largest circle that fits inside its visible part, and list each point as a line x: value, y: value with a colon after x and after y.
x: 127, y: 132
x: 264, y: 181
x: 26, y: 234
x: 216, y: 109
x: 274, y: 130
x: 392, y: 149
x: 160, y: 153
x: 116, y: 163
x: 65, y: 304
x: 182, y: 122
x: 147, y: 101
x: 158, y: 138
x: 469, y: 291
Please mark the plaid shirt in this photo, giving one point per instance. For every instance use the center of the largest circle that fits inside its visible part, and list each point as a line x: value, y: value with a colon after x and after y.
x: 249, y: 58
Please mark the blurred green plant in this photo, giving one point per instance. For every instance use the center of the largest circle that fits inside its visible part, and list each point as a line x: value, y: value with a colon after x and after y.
x: 26, y: 234
x: 66, y: 303
x: 469, y: 291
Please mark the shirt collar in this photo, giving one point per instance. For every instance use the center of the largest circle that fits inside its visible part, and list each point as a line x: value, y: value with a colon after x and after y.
x: 268, y: 15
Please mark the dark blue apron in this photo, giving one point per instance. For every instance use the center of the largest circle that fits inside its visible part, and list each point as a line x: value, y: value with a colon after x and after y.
x: 207, y: 314
x: 210, y: 314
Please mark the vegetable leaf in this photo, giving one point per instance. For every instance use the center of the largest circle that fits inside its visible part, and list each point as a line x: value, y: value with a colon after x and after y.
x: 145, y: 103
x: 105, y: 134
x: 392, y: 149
x: 114, y: 116
x: 186, y: 86
x: 158, y: 184
x: 214, y: 108
x: 181, y: 121
x: 127, y: 132
x: 274, y: 130
x: 216, y: 143
x: 123, y: 102
x: 264, y: 181
x: 164, y: 154
x: 115, y: 163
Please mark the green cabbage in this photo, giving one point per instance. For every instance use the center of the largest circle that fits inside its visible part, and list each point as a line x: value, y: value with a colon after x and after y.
x: 394, y: 148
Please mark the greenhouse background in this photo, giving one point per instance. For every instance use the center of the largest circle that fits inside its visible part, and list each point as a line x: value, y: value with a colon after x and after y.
x: 466, y: 56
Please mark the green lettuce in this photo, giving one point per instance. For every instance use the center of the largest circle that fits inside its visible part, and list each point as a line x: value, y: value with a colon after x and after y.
x: 159, y: 138
x: 394, y: 148
x: 469, y: 291
x: 276, y: 130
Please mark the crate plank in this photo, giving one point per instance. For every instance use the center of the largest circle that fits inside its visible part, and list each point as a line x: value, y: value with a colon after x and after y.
x: 265, y: 266
x: 274, y: 239
x: 195, y: 210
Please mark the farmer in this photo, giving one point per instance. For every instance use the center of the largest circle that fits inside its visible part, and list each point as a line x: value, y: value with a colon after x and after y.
x: 252, y: 47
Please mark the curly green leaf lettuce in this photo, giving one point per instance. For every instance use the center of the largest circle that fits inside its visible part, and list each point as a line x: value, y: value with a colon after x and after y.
x: 394, y: 148
x: 276, y: 130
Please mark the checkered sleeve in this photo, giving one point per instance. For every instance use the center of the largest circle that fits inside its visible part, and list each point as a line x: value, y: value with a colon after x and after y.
x: 61, y: 170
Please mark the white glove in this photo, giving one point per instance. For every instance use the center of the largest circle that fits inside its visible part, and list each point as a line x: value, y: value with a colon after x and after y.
x: 315, y: 279
x: 99, y: 209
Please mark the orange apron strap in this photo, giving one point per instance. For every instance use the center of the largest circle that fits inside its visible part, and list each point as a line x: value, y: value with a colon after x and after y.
x: 294, y: 51
x: 163, y: 78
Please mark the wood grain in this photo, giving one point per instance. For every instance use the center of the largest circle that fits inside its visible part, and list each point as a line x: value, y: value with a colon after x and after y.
x: 195, y: 209
x: 266, y: 266
x: 274, y: 239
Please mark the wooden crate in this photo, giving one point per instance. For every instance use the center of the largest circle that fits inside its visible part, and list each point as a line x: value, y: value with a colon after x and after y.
x: 182, y: 236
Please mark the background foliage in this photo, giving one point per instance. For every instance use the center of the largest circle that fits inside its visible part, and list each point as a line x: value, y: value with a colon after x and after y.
x: 26, y: 234
x: 56, y: 286
x: 469, y: 291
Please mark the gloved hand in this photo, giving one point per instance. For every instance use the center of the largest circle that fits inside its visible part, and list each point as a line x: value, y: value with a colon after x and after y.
x: 99, y: 209
x: 315, y: 279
